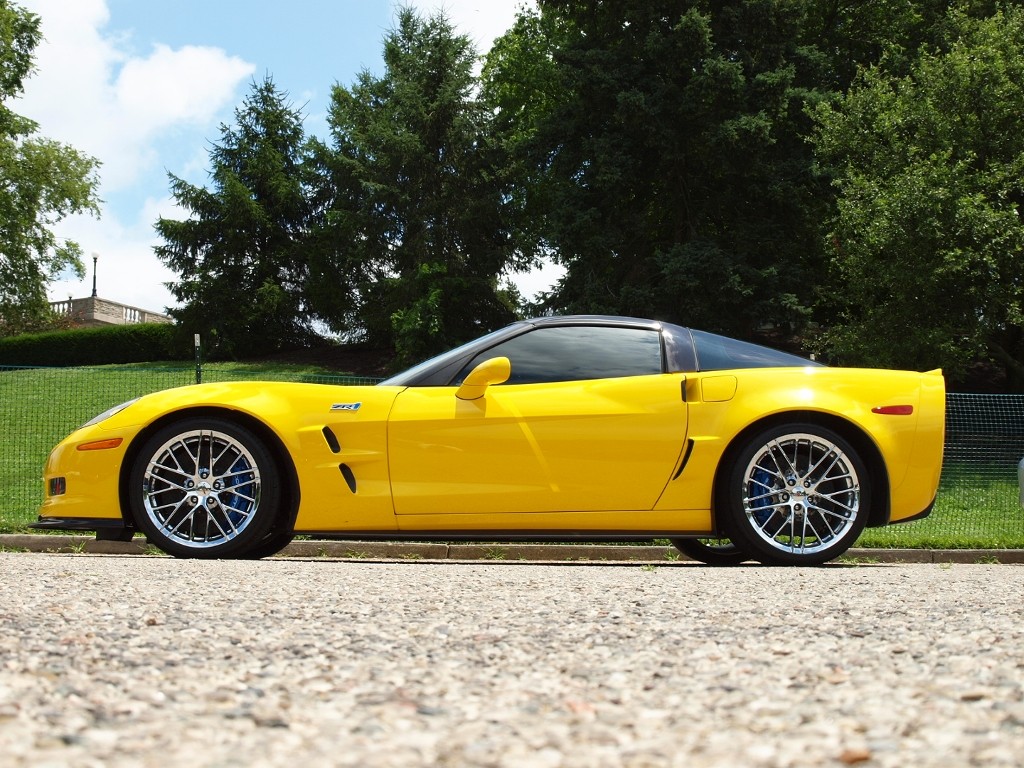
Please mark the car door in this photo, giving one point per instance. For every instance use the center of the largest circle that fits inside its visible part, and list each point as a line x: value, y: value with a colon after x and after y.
x: 586, y: 422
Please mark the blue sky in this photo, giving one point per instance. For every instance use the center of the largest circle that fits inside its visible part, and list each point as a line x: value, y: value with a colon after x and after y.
x: 144, y: 85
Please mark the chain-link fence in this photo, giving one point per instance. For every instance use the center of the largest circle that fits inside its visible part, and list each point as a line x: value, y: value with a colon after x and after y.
x: 978, y: 503
x: 977, y: 506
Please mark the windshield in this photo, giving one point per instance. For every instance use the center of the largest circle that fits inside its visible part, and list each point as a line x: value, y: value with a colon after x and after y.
x: 405, y: 378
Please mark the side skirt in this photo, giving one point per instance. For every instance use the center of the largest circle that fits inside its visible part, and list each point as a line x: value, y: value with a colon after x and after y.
x: 78, y: 523
x: 517, y: 534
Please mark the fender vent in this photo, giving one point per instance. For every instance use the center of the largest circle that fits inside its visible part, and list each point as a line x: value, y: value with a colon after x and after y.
x: 350, y: 478
x: 686, y: 458
x: 332, y: 440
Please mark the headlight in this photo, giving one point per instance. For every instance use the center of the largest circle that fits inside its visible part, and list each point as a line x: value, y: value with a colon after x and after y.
x: 108, y: 413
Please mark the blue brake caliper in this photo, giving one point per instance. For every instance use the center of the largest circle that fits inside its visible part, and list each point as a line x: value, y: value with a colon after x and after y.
x: 761, y: 502
x: 240, y: 476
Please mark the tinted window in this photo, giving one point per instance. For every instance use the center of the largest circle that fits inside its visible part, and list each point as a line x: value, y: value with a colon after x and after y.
x: 720, y: 353
x: 576, y: 352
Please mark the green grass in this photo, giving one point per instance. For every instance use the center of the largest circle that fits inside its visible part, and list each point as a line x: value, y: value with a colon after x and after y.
x: 972, y: 511
x: 39, y: 407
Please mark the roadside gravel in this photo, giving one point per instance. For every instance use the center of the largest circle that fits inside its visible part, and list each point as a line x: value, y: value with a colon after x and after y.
x: 149, y: 661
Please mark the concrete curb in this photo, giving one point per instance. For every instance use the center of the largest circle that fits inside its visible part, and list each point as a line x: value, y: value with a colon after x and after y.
x: 496, y: 552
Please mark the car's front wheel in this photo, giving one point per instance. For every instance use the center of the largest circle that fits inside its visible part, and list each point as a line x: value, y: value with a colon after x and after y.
x: 205, y: 488
x: 272, y: 543
x: 795, y: 494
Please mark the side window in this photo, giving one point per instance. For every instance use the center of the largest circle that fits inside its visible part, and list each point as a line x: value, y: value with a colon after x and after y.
x: 576, y: 353
x: 720, y: 353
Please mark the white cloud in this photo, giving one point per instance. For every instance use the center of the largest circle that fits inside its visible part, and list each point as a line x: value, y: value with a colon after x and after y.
x: 88, y: 91
x: 155, y: 208
x: 128, y: 272
x: 170, y: 87
x: 135, y: 109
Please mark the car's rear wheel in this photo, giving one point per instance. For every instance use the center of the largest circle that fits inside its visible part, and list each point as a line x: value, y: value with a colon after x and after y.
x: 720, y: 552
x: 795, y: 494
x: 205, y: 488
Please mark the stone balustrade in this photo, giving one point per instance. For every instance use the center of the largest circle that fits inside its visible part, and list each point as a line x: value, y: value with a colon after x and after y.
x: 96, y: 311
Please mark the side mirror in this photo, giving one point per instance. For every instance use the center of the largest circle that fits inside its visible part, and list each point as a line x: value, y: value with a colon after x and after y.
x: 493, y: 371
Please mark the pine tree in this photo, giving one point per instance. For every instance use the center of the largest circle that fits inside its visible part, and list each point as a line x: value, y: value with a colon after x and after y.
x: 241, y: 256
x: 418, y: 215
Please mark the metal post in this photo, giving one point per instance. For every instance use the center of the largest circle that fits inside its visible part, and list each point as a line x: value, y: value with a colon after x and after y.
x: 95, y: 258
x: 199, y: 365
x: 1020, y: 480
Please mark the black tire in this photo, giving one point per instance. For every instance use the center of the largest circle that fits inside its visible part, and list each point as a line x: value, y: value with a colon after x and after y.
x: 717, y: 552
x: 272, y: 543
x: 205, y: 488
x: 795, y: 494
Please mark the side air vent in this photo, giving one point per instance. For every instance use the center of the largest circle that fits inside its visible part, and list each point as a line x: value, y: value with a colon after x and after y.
x: 349, y: 477
x: 686, y: 458
x: 332, y: 440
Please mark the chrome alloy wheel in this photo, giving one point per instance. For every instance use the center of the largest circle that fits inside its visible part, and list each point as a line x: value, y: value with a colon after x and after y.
x: 201, y: 488
x: 802, y: 494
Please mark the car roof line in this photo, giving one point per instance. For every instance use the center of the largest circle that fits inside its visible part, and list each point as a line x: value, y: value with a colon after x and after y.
x: 635, y: 322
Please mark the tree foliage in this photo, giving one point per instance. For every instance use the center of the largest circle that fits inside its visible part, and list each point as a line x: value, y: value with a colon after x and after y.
x: 41, y: 182
x: 664, y: 158
x: 520, y: 84
x: 738, y: 165
x: 927, y: 239
x: 850, y: 36
x: 242, y: 255
x: 418, y: 184
x: 671, y: 165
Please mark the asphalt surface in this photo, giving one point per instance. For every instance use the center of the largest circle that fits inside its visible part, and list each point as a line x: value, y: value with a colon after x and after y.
x: 118, y: 660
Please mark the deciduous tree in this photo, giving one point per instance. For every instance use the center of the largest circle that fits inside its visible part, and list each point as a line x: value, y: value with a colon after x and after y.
x: 671, y: 163
x: 41, y: 182
x: 927, y: 242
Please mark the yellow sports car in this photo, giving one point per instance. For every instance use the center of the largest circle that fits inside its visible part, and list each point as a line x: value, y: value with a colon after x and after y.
x: 582, y: 427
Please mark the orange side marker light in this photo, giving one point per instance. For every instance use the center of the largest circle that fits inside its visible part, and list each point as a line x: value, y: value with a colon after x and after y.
x: 101, y: 445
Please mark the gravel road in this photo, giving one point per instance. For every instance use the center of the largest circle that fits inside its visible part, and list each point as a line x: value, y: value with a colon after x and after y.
x: 149, y: 661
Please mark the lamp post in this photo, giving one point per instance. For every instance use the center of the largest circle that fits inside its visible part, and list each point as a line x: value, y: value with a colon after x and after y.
x: 95, y: 258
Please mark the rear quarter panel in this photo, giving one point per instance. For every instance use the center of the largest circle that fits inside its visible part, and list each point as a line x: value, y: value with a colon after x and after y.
x: 723, y: 404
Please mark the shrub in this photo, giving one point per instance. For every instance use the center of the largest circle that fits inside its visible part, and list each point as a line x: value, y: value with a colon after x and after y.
x: 140, y: 343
